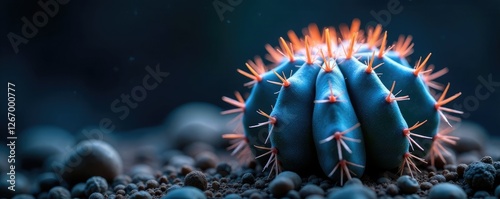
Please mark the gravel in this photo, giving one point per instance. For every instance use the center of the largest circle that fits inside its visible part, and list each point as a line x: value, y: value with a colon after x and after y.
x: 407, y: 184
x: 480, y: 176
x: 96, y: 184
x: 59, y: 193
x: 280, y: 186
x: 447, y: 190
x: 196, y: 179
x: 212, y: 173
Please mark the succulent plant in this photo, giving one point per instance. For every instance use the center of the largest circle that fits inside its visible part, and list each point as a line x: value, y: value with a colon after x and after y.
x: 341, y: 101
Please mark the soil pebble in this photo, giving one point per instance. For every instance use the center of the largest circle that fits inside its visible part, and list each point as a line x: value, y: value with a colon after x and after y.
x: 311, y: 189
x: 392, y: 190
x: 185, y: 193
x: 480, y: 176
x: 353, y: 181
x: 439, y: 178
x: 59, y: 193
x: 407, y: 184
x: 196, y: 179
x: 96, y: 184
x: 224, y: 169
x: 280, y: 186
x: 141, y: 195
x: 353, y: 191
x: 248, y: 178
x: 232, y: 196
x: 461, y: 169
x: 91, y: 158
x: 96, y: 195
x: 78, y: 191
x: 205, y: 160
x: 447, y: 190
x: 23, y: 196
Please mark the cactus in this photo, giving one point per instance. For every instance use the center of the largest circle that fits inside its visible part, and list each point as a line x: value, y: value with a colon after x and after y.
x: 330, y: 102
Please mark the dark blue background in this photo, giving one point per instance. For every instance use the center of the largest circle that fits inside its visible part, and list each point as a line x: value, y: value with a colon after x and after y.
x: 91, y: 52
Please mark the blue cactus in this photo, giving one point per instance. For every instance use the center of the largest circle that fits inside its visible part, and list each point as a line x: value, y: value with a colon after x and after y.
x: 330, y: 103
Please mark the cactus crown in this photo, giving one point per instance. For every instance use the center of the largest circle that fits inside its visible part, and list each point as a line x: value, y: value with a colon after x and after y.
x: 329, y: 101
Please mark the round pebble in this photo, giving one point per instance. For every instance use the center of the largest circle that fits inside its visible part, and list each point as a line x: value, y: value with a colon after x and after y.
x: 248, y: 178
x: 383, y: 180
x: 223, y: 169
x: 407, y: 184
x: 119, y: 187
x: 121, y: 192
x: 23, y: 196
x: 205, y: 160
x: 497, y: 191
x: 296, y: 179
x: 461, y: 169
x: 91, y: 158
x: 392, y: 189
x: 151, y: 184
x: 78, y: 191
x: 142, y: 177
x: 311, y: 189
x: 215, y: 185
x: 496, y: 164
x: 122, y: 179
x: 185, y: 193
x: 353, y: 191
x: 47, y: 180
x: 481, y: 194
x: 353, y: 181
x: 439, y: 178
x: 426, y: 186
x: 451, y: 167
x: 480, y: 176
x: 96, y: 195
x: 141, y: 195
x: 256, y: 195
x: 315, y: 197
x: 196, y: 179
x: 451, y: 176
x: 293, y: 194
x: 59, y: 193
x: 446, y: 190
x: 232, y: 196
x: 131, y: 187
x: 96, y: 184
x: 260, y: 184
x: 279, y: 187
x: 487, y: 160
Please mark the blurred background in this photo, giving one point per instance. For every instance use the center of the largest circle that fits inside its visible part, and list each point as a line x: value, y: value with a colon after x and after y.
x: 86, y: 57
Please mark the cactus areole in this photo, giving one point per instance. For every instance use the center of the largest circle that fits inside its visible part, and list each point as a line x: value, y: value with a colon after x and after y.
x: 339, y: 101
